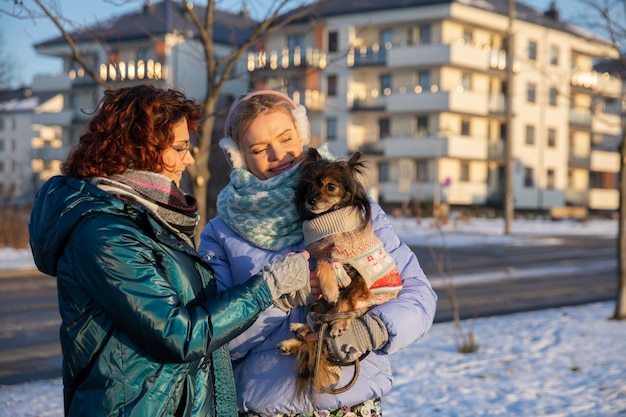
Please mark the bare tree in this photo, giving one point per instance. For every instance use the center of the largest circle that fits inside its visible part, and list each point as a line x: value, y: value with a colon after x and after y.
x: 219, y: 68
x: 608, y: 17
x: 7, y: 69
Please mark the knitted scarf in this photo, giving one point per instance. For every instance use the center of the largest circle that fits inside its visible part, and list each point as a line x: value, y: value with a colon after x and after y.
x: 264, y: 211
x: 176, y: 210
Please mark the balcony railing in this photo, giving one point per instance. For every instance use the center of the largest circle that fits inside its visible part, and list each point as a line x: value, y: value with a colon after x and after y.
x: 580, y: 117
x: 285, y: 58
x: 125, y: 70
x: 368, y: 55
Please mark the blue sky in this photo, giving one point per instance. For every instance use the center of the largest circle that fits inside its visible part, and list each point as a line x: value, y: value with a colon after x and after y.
x: 19, y: 35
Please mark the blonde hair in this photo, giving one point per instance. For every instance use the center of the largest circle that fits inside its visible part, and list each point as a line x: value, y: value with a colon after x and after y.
x: 247, y: 109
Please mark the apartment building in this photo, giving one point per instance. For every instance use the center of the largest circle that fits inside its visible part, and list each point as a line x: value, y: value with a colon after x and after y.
x: 18, y: 111
x: 156, y: 44
x: 421, y: 87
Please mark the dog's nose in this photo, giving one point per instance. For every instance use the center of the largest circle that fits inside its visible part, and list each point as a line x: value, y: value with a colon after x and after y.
x: 312, y: 200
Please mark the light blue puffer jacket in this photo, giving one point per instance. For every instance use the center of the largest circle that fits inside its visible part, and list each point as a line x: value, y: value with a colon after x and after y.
x: 265, y: 379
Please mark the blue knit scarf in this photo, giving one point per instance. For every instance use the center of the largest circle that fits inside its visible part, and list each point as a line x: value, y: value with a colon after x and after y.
x: 264, y: 211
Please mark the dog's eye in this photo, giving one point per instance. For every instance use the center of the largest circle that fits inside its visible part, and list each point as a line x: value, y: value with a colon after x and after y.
x: 331, y: 187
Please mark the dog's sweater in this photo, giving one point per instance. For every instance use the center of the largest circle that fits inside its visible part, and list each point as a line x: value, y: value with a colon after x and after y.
x: 338, y: 237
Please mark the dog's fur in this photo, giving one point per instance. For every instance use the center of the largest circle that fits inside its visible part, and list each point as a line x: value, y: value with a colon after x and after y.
x: 326, y: 186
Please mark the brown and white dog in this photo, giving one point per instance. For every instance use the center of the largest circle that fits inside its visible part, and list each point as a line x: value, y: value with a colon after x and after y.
x: 354, y: 270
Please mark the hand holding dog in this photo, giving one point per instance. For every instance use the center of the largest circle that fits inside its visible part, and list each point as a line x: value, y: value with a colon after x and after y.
x: 365, y: 334
x: 287, y: 274
x: 303, y: 296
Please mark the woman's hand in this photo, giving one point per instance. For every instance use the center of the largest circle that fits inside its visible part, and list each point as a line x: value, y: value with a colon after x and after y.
x: 303, y: 296
x: 316, y: 290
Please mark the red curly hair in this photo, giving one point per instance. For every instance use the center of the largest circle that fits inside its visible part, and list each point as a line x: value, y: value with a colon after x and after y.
x: 131, y: 128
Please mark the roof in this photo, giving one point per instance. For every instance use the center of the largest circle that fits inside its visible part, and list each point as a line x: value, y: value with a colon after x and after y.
x: 22, y: 99
x: 159, y: 19
x: 329, y: 8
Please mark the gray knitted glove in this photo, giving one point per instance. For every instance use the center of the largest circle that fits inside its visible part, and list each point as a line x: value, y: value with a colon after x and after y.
x: 302, y: 297
x: 286, y: 274
x: 365, y: 333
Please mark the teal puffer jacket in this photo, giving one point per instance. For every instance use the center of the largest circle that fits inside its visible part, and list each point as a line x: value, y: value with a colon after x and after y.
x: 143, y: 330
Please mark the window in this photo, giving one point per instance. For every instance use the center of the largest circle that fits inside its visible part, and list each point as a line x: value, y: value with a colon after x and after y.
x: 552, y: 96
x: 554, y: 55
x: 596, y: 180
x: 333, y: 41
x: 532, y: 50
x: 529, y: 181
x: 142, y: 54
x: 423, y: 80
x: 331, y: 86
x: 384, y: 128
x: 114, y: 56
x: 424, y: 35
x: 386, y: 38
x: 531, y: 92
x: 296, y: 46
x: 550, y: 179
x: 530, y: 135
x: 467, y: 36
x: 552, y: 137
x: 464, y: 175
x: 331, y: 128
x: 465, y: 127
x: 385, y: 84
x: 2, y: 123
x: 466, y: 82
x: 422, y: 170
x: 383, y: 172
x: 422, y: 126
x: 2, y: 145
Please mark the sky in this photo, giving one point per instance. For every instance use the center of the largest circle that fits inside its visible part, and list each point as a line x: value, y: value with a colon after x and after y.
x: 19, y: 35
x: 564, y: 362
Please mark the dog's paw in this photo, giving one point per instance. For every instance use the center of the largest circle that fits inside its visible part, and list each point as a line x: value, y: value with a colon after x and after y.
x: 300, y: 330
x: 351, y: 353
x: 289, y: 347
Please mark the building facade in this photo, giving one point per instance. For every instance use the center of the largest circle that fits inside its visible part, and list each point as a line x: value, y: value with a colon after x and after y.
x: 422, y: 88
x: 157, y: 44
x: 18, y: 139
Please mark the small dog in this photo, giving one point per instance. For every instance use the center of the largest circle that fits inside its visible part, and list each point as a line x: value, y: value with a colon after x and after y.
x: 353, y: 269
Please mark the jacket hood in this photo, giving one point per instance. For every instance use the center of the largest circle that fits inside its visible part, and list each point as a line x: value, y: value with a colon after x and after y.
x: 60, y: 204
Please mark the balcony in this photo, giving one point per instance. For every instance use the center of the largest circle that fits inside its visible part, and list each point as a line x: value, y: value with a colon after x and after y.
x: 577, y: 197
x: 603, y: 199
x: 62, y: 118
x: 50, y: 154
x: 606, y: 123
x: 123, y: 71
x: 604, y: 161
x: 596, y: 82
x: 579, y: 161
x: 580, y: 118
x: 496, y: 151
x: 373, y: 55
x: 284, y: 59
x: 313, y: 100
x: 458, y: 101
x: 431, y: 147
x: 458, y: 54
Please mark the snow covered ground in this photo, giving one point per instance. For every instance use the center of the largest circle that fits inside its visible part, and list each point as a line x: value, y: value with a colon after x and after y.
x: 562, y: 362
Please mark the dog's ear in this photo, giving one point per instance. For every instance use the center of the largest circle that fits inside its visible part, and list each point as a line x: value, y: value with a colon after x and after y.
x: 314, y: 155
x: 355, y: 164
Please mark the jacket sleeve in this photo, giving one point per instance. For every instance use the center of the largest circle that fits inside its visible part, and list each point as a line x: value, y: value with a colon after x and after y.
x: 214, y: 241
x: 409, y: 316
x: 128, y: 277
